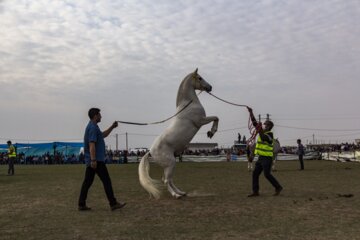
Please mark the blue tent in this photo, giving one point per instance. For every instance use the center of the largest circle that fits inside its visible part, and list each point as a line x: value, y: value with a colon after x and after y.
x: 66, y: 148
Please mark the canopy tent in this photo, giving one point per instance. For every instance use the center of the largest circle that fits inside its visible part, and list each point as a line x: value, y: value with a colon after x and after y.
x: 66, y: 148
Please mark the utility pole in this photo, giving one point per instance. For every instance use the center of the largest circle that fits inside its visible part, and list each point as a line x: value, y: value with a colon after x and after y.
x: 313, y: 138
x: 117, y: 146
x: 267, y: 117
x: 127, y: 148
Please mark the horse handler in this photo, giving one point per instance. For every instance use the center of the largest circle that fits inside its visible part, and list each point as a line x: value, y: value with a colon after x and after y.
x: 94, y: 148
x: 11, y: 158
x: 265, y: 150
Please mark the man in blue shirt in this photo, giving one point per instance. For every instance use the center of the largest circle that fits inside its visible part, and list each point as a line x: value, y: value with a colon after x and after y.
x: 94, y: 149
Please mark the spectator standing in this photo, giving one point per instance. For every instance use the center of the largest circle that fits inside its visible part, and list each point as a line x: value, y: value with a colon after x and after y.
x: 126, y: 156
x: 11, y: 158
x: 94, y: 150
x: 300, y: 152
x: 228, y: 156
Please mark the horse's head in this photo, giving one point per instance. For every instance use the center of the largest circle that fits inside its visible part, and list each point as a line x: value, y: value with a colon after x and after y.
x: 199, y: 83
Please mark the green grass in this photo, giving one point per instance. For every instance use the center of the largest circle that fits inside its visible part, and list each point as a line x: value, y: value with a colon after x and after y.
x: 40, y: 202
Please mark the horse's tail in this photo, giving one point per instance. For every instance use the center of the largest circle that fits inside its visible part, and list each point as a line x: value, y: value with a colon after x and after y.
x: 150, y: 185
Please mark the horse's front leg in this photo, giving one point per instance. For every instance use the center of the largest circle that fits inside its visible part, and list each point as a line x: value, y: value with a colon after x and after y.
x: 214, y: 127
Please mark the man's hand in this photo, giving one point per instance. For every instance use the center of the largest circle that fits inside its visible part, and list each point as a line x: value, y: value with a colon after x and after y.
x: 93, y: 164
x: 108, y: 131
x: 114, y: 125
x: 252, y: 117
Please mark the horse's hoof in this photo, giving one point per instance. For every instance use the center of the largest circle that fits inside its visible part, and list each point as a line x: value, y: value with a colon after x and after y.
x: 210, y: 134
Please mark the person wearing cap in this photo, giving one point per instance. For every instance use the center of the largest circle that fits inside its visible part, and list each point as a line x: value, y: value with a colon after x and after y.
x: 265, y: 150
x: 94, y: 150
x: 11, y: 158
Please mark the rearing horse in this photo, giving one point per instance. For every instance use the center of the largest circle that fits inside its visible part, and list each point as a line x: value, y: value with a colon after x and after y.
x: 172, y: 142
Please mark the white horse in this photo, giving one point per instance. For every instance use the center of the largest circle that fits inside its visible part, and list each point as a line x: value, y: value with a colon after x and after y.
x: 172, y: 142
x: 251, y: 154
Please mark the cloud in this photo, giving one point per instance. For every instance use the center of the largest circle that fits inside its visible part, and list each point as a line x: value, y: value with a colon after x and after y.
x: 120, y: 54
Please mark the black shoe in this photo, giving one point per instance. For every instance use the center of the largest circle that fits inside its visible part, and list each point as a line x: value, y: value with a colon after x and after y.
x: 84, y: 208
x: 117, y: 206
x: 278, y: 191
x: 255, y: 194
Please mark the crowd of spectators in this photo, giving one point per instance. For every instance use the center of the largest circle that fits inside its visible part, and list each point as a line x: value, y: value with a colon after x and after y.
x: 204, y: 152
x: 60, y: 158
x: 46, y: 158
x: 343, y: 147
x: 122, y: 156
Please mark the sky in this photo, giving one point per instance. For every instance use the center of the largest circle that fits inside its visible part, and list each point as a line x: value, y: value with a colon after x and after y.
x: 297, y: 60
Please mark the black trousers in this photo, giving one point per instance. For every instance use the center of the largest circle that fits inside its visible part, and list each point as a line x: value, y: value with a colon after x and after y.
x: 301, y: 162
x: 11, y: 170
x: 263, y: 163
x: 103, y: 174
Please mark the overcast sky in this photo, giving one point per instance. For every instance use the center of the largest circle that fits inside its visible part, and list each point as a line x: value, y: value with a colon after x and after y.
x: 298, y: 60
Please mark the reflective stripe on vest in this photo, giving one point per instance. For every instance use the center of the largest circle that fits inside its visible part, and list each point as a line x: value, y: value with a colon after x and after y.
x: 13, y: 154
x: 264, y: 148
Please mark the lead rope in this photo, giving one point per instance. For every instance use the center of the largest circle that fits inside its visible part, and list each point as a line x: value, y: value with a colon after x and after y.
x: 158, y: 122
x: 253, y: 130
x: 235, y: 104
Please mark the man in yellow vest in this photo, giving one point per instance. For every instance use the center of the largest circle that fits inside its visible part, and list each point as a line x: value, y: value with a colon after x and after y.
x: 265, y: 150
x: 11, y: 157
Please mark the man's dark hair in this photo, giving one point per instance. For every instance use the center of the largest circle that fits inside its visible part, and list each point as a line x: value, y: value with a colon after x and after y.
x: 92, y: 112
x: 269, y: 123
x: 9, y: 142
x: 299, y: 140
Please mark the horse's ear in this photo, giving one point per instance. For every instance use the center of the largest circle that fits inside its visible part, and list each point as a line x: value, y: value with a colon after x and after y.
x: 196, y: 71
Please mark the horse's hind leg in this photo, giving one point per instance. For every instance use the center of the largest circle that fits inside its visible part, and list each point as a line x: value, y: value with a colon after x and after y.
x: 176, y: 189
x: 167, y: 182
x: 168, y: 174
x: 172, y: 185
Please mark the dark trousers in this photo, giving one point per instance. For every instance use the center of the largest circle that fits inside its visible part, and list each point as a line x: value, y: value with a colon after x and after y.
x: 11, y: 170
x: 301, y: 162
x: 103, y: 174
x: 263, y: 163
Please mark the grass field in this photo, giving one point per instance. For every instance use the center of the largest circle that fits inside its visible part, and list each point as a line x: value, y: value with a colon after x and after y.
x: 40, y: 202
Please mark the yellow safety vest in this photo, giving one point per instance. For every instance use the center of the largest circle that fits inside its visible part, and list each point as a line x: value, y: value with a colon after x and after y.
x: 11, y: 148
x: 264, y: 148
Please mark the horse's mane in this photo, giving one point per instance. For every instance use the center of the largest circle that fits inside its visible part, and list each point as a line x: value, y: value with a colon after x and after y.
x: 181, y: 88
